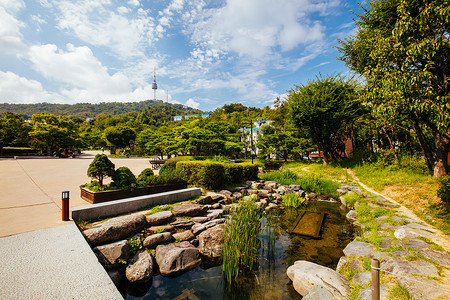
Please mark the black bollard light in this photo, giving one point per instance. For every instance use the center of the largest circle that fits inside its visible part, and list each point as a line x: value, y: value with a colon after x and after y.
x: 65, y: 205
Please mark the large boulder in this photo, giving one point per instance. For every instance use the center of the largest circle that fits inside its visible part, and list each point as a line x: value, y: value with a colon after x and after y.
x: 108, y: 255
x: 186, y: 235
x: 177, y: 257
x: 160, y: 218
x: 403, y: 267
x: 356, y: 248
x: 188, y: 210
x: 181, y: 223
x: 115, y: 229
x: 210, y: 241
x: 140, y: 270
x: 156, y: 239
x: 305, y: 275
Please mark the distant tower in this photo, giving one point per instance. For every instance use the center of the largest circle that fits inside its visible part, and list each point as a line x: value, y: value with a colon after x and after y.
x: 154, y: 85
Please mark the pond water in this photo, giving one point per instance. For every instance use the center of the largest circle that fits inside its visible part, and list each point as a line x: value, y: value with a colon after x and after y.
x: 279, y: 249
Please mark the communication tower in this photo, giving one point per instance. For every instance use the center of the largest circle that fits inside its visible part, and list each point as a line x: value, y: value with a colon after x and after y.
x: 154, y: 85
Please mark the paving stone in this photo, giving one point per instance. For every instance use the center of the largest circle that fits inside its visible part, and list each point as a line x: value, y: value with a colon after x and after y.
x: 437, y: 256
x: 377, y: 254
x: 400, y: 253
x: 362, y: 278
x: 416, y: 244
x: 366, y: 294
x: 405, y: 232
x: 422, y: 288
x: 403, y: 267
x: 418, y: 226
x: 356, y: 248
x: 386, y: 244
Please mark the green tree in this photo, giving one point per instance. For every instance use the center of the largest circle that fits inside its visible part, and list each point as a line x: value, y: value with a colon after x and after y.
x: 13, y: 130
x: 120, y: 136
x: 402, y: 49
x: 324, y: 108
x: 100, y: 168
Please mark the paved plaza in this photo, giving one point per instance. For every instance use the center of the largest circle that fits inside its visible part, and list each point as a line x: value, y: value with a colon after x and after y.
x: 30, y: 196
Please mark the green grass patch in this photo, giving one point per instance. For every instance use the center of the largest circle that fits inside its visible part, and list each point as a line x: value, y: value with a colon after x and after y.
x: 292, y: 200
x: 398, y: 292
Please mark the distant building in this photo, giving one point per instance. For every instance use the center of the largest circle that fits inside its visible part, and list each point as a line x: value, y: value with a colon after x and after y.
x: 180, y: 117
x: 256, y: 131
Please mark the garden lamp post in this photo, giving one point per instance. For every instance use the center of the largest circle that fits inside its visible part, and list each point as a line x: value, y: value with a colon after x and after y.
x: 251, y: 138
x: 65, y: 205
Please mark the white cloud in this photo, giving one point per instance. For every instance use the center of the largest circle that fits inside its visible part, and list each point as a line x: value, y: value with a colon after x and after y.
x: 17, y: 89
x: 10, y: 35
x: 96, y: 23
x: 133, y: 2
x: 192, y: 103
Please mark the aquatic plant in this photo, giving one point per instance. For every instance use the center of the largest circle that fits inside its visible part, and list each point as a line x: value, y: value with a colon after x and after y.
x: 292, y: 200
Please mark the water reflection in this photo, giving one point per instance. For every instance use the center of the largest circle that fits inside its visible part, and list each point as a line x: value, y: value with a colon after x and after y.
x: 279, y: 249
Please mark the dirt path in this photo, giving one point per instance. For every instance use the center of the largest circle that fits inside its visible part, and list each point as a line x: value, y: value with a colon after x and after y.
x: 442, y: 239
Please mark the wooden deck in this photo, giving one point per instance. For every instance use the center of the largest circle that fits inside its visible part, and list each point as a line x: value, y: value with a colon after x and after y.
x: 308, y: 223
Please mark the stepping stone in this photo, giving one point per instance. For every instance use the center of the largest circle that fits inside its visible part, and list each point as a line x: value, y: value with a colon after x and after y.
x: 396, y: 219
x: 405, y: 232
x: 377, y: 254
x: 416, y: 244
x: 439, y: 257
x: 386, y: 244
x: 356, y: 248
x: 387, y: 226
x: 403, y: 267
x: 160, y: 218
x: 381, y: 219
x: 418, y: 226
x: 362, y: 278
x: 356, y: 266
x: 366, y: 294
x: 318, y: 292
x: 400, y: 253
x: 421, y: 288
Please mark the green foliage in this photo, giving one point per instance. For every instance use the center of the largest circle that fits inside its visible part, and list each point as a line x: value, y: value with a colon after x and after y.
x: 100, y: 167
x: 444, y: 189
x: 249, y: 171
x: 241, y: 242
x: 120, y: 136
x: 285, y: 177
x: 135, y: 246
x: 233, y: 173
x: 202, y: 173
x: 292, y: 200
x: 123, y: 177
x: 143, y: 177
x: 352, y: 198
x: 172, y: 162
x: 397, y: 292
x: 122, y: 261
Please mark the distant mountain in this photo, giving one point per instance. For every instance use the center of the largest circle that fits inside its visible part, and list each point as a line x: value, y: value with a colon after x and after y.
x: 88, y: 110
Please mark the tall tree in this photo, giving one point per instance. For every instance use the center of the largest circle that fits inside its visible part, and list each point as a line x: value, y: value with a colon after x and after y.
x: 13, y: 130
x: 323, y: 108
x: 402, y: 49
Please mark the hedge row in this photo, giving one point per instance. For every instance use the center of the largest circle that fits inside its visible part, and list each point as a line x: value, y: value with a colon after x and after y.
x: 213, y: 175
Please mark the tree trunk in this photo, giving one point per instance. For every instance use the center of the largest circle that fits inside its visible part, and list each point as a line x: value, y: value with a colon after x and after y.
x: 441, y: 162
x: 426, y: 150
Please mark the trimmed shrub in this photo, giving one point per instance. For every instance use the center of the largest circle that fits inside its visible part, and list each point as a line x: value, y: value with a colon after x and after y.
x: 233, y: 173
x: 444, y: 189
x: 166, y: 168
x: 123, y: 177
x: 171, y: 176
x: 143, y: 178
x: 249, y: 171
x: 100, y: 168
x: 203, y: 173
x: 172, y: 162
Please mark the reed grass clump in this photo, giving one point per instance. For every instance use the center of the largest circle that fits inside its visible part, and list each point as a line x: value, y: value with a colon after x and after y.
x: 292, y: 200
x: 241, y: 240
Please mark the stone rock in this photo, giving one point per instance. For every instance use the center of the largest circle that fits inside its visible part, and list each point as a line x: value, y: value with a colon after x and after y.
x: 400, y: 253
x: 197, y: 228
x: 216, y: 206
x: 416, y: 244
x: 257, y: 185
x: 404, y: 267
x: 305, y: 275
x: 156, y: 239
x: 116, y: 275
x: 405, y: 232
x: 188, y: 210
x: 200, y: 219
x: 417, y: 226
x: 295, y: 187
x: 263, y: 194
x: 280, y: 191
x: 436, y: 256
x: 227, y: 194
x: 422, y: 288
x: 386, y: 244
x: 351, y: 216
x: 341, y: 192
x: 318, y: 292
x: 341, y: 263
x: 205, y: 200
x: 217, y: 198
x: 115, y: 229
x: 177, y: 257
x: 210, y: 241
x: 181, y: 223
x: 356, y: 266
x: 301, y: 193
x: 194, y: 242
x: 396, y: 219
x: 214, y: 222
x: 377, y: 254
x: 366, y: 294
x: 109, y: 254
x: 237, y: 195
x: 186, y: 235
x: 386, y: 204
x: 312, y: 195
x: 383, y: 226
x: 160, y: 218
x: 159, y: 229
x: 140, y: 270
x: 356, y: 248
x: 362, y: 278
x: 214, y: 214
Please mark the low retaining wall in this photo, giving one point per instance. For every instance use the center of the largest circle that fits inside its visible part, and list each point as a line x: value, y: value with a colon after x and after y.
x: 128, y: 205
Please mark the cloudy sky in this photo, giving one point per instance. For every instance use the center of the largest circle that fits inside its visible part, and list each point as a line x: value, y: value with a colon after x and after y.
x: 206, y: 53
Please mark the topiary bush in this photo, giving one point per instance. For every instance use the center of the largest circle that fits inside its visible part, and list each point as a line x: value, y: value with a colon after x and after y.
x: 249, y: 171
x: 172, y: 162
x: 233, y: 173
x: 100, y: 168
x: 123, y: 177
x: 202, y: 173
x: 443, y: 191
x: 143, y: 178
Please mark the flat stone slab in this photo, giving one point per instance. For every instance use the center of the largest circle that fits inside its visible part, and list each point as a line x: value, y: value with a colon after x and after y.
x: 318, y: 292
x: 418, y: 226
x: 436, y: 256
x: 160, y: 218
x: 405, y: 232
x: 356, y: 248
x: 366, y: 294
x: 416, y: 244
x: 423, y: 288
x: 403, y: 267
x: 54, y: 263
x: 400, y: 253
x: 362, y: 278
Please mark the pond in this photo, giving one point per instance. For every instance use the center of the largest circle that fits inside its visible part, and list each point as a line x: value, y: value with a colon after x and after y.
x: 279, y: 249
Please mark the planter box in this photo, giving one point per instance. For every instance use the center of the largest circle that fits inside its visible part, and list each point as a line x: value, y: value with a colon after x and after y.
x: 105, y: 196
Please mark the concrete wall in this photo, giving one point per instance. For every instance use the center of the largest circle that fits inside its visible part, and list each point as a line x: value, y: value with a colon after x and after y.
x: 129, y: 205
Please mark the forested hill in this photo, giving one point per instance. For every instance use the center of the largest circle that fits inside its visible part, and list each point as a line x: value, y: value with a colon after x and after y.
x: 88, y: 110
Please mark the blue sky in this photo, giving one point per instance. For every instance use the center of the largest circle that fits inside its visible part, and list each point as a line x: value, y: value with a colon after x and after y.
x: 206, y: 53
